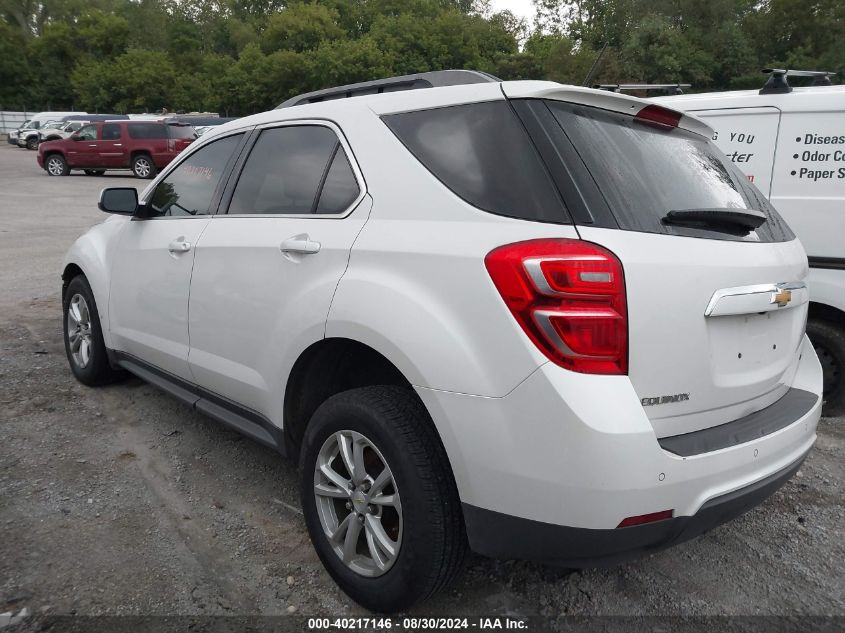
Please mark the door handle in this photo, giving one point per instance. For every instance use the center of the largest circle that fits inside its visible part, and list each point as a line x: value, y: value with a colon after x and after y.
x: 300, y: 244
x: 179, y: 246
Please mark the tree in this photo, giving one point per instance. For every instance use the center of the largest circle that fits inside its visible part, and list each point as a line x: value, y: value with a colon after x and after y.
x: 301, y: 27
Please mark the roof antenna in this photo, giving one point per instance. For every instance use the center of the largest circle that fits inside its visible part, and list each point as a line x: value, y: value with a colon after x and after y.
x: 594, y: 67
x: 776, y: 83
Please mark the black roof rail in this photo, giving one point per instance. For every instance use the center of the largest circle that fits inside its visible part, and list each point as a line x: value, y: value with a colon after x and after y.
x: 432, y: 79
x: 777, y: 82
x: 671, y: 89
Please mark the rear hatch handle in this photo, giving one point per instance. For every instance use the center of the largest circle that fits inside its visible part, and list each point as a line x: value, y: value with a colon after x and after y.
x: 715, y: 218
x: 757, y: 299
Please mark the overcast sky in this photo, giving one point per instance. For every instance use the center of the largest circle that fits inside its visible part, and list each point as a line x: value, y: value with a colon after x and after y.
x: 521, y: 8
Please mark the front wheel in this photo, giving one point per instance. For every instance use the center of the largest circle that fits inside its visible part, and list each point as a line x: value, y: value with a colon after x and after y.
x: 84, y: 345
x: 56, y: 165
x: 143, y: 167
x: 32, y: 142
x: 379, y: 498
x: 829, y: 341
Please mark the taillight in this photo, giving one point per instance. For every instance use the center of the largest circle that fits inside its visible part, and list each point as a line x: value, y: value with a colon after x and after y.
x: 569, y: 298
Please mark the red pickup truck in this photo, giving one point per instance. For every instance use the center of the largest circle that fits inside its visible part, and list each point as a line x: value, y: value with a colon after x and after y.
x: 144, y: 146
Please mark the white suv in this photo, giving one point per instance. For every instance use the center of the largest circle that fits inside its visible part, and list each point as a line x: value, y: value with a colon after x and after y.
x: 540, y: 321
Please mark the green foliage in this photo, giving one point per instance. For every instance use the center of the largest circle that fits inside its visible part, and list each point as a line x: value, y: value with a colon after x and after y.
x: 301, y: 27
x: 242, y: 56
x: 715, y: 45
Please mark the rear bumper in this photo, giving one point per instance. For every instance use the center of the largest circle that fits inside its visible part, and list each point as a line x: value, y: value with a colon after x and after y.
x: 577, y: 453
x: 503, y: 536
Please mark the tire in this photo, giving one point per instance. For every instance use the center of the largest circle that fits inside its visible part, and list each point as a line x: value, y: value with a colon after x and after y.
x: 829, y: 340
x: 82, y: 332
x: 94, y: 172
x: 32, y: 142
x: 143, y: 166
x: 393, y: 428
x: 56, y: 165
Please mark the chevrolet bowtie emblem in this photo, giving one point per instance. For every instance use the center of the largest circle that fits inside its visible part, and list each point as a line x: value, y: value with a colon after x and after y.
x: 782, y: 298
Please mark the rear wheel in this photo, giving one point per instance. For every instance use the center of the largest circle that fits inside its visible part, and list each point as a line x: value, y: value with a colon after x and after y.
x: 143, y: 167
x: 84, y: 345
x: 829, y: 341
x: 379, y: 498
x: 56, y: 165
x: 32, y: 142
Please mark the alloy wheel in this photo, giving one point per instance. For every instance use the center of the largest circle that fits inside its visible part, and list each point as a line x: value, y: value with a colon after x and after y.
x: 142, y: 168
x: 79, y: 331
x: 55, y: 166
x: 358, y: 503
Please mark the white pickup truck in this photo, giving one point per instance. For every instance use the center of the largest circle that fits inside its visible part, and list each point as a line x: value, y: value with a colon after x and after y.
x: 790, y: 142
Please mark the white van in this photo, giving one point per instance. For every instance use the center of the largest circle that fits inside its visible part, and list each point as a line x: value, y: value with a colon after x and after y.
x: 35, y: 123
x: 790, y: 142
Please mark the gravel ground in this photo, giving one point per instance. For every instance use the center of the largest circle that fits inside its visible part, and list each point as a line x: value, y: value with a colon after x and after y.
x: 121, y: 500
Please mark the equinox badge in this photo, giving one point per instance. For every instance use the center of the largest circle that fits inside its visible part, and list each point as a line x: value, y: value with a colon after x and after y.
x: 678, y: 397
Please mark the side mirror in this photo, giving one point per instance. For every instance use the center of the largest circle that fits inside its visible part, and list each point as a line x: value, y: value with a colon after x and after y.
x: 120, y: 200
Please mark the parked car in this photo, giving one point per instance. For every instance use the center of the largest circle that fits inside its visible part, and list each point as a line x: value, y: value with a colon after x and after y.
x: 12, y: 137
x: 541, y: 321
x: 73, y: 123
x: 64, y: 130
x: 141, y: 146
x: 27, y: 135
x: 791, y: 144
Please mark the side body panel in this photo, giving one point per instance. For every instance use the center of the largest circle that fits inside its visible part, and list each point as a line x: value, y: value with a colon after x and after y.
x: 150, y: 285
x: 255, y: 309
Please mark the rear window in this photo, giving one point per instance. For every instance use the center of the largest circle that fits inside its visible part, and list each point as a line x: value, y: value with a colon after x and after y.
x: 182, y: 131
x: 643, y: 171
x: 482, y: 153
x: 147, y: 130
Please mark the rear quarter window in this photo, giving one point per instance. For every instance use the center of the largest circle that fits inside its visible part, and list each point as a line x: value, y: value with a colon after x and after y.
x: 482, y: 153
x: 147, y: 130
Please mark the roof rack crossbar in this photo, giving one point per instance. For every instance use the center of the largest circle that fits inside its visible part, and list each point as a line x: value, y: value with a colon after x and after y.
x: 674, y: 89
x: 777, y: 82
x: 432, y: 79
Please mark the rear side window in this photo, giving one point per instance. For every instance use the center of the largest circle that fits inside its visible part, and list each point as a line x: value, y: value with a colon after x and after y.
x: 285, y: 170
x: 482, y: 153
x: 147, y: 130
x: 111, y: 131
x: 189, y: 189
x: 643, y: 171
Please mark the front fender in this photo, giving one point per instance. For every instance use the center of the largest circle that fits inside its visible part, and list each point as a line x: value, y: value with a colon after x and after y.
x: 91, y: 253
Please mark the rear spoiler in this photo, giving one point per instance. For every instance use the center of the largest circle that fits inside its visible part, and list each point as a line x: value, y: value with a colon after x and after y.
x: 613, y: 101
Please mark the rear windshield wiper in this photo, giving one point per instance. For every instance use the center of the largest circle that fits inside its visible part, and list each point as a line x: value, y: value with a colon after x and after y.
x: 748, y: 219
